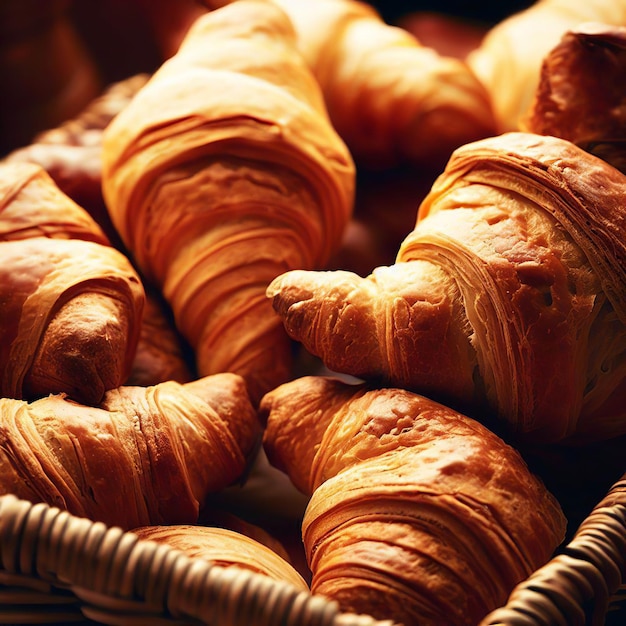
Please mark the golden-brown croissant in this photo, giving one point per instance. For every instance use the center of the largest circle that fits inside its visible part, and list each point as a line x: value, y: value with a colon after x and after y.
x: 417, y: 513
x: 70, y: 303
x: 71, y: 154
x: 145, y: 455
x: 509, y: 59
x: 226, y: 548
x: 222, y: 173
x: 510, y: 292
x: 581, y: 96
x: 392, y: 99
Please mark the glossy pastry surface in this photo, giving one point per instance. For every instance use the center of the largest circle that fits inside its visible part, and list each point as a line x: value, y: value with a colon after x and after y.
x: 224, y: 172
x: 509, y: 293
x: 417, y: 513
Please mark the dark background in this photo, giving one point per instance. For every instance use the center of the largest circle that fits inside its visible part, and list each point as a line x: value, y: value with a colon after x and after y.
x: 489, y: 12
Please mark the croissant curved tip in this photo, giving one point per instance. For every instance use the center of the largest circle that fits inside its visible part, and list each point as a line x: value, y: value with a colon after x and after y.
x: 289, y: 289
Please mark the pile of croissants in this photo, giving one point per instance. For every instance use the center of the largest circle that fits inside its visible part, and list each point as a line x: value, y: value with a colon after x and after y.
x: 182, y: 291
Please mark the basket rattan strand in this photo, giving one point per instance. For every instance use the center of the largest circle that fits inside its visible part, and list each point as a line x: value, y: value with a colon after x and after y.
x: 59, y: 568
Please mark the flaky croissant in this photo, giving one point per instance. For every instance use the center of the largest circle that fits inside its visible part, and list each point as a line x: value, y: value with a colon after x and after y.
x: 226, y: 548
x: 71, y: 155
x: 417, y: 513
x: 581, y: 96
x: 144, y: 456
x: 222, y: 173
x: 509, y: 293
x: 70, y: 303
x: 509, y: 59
x: 392, y: 99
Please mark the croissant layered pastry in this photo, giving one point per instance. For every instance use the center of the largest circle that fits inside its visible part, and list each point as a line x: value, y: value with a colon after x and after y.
x: 143, y: 456
x: 70, y: 304
x: 509, y: 59
x: 225, y: 548
x: 392, y: 99
x: 223, y: 172
x: 71, y: 155
x: 580, y: 96
x: 417, y: 514
x: 508, y: 295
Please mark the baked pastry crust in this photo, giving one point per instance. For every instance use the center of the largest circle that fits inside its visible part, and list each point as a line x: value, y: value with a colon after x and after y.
x: 143, y: 456
x: 509, y: 293
x: 417, y: 513
x: 70, y: 303
x: 223, y: 172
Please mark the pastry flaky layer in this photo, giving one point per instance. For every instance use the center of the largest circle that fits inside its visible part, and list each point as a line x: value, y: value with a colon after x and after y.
x: 70, y: 303
x: 418, y: 513
x: 223, y: 172
x: 143, y: 456
x: 509, y: 293
x: 226, y: 548
x: 393, y: 100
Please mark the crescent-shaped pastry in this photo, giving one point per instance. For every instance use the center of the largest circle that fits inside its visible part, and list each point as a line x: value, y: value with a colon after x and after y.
x: 417, y: 514
x: 509, y: 293
x: 144, y: 456
x: 226, y: 548
x: 223, y: 172
x: 71, y: 155
x: 70, y: 303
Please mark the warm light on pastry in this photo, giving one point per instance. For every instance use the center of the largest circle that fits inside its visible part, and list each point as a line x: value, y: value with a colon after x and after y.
x: 417, y: 514
x: 392, y: 99
x: 70, y: 303
x: 509, y: 59
x: 225, y: 548
x: 580, y: 95
x: 508, y: 294
x: 222, y: 173
x: 144, y: 455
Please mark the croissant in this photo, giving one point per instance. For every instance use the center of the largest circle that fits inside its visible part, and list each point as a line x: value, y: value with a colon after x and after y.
x: 392, y: 99
x: 222, y: 173
x: 509, y: 59
x: 417, y: 513
x: 71, y: 154
x: 508, y: 294
x: 226, y: 548
x: 70, y: 303
x: 580, y: 96
x: 144, y: 456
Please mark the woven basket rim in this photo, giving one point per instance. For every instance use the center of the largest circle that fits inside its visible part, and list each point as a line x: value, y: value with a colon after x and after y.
x: 78, y: 568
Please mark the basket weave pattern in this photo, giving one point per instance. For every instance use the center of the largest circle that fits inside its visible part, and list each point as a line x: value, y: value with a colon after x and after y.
x: 73, y: 570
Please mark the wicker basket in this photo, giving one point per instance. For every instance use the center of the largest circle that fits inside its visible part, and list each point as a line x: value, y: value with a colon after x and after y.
x: 57, y: 568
